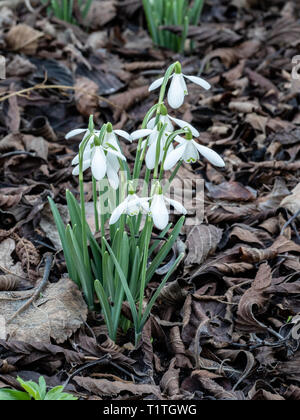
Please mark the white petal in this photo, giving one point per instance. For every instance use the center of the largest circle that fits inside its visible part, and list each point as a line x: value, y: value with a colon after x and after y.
x: 159, y: 212
x: 144, y: 203
x: 123, y: 134
x: 75, y: 132
x: 113, y: 177
x: 174, y: 157
x: 113, y: 161
x: 140, y: 133
x: 176, y: 92
x: 117, y: 213
x: 156, y: 84
x: 99, y: 164
x: 86, y: 164
x: 183, y: 124
x: 191, y: 154
x: 86, y: 156
x: 115, y: 153
x: 177, y: 206
x: 151, y: 156
x: 199, y: 81
x: 210, y: 155
x: 151, y: 123
x: 165, y: 119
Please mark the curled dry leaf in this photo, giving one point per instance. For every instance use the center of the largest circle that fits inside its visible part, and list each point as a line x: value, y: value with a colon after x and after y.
x: 7, y: 247
x: 23, y: 38
x: 170, y: 381
x: 178, y: 348
x: 255, y: 297
x: 34, y: 351
x: 172, y: 294
x: 202, y: 241
x: 8, y: 282
x: 104, y: 387
x: 292, y: 202
x: 57, y: 313
x: 280, y: 246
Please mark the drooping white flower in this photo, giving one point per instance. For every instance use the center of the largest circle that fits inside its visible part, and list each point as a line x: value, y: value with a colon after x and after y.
x: 132, y: 206
x: 167, y: 119
x: 189, y: 150
x: 159, y: 211
x: 154, y: 137
x: 178, y: 89
x: 103, y: 161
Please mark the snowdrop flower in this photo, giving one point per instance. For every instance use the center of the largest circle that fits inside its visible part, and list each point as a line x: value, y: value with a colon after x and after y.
x: 102, y: 159
x: 159, y: 211
x: 189, y: 150
x: 178, y: 89
x: 154, y: 135
x: 132, y: 206
x: 164, y: 118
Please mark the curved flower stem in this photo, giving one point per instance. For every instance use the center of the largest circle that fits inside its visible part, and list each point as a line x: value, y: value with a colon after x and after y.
x: 95, y: 200
x: 148, y: 227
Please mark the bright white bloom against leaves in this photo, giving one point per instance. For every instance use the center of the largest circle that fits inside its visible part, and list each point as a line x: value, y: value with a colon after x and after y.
x: 103, y: 160
x: 159, y: 211
x: 152, y: 144
x: 167, y: 119
x: 189, y: 150
x: 132, y: 206
x: 178, y: 88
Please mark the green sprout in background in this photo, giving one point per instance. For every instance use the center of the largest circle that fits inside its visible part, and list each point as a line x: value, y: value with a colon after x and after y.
x: 64, y: 9
x: 171, y: 13
x: 37, y: 392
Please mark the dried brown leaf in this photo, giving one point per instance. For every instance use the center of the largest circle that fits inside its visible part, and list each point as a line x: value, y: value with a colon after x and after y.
x: 57, y: 313
x: 104, y: 387
x: 202, y: 241
x: 23, y: 38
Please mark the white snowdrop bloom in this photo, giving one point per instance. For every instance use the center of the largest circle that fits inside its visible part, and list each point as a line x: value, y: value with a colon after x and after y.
x: 178, y: 89
x: 111, y: 138
x: 159, y: 211
x: 189, y: 150
x: 76, y: 132
x: 153, y: 135
x: 102, y: 161
x: 132, y: 206
x: 167, y: 119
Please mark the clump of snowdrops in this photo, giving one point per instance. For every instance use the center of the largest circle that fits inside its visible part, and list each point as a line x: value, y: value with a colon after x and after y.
x: 119, y: 266
x: 182, y: 13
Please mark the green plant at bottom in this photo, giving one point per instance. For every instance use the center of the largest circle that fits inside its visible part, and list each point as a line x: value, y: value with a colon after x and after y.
x: 181, y: 13
x: 34, y: 391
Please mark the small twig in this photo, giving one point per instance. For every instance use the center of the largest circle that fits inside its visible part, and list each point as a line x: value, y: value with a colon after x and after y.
x: 16, y: 153
x: 37, y: 292
x: 59, y: 87
x: 102, y: 361
x: 12, y: 274
x: 290, y: 221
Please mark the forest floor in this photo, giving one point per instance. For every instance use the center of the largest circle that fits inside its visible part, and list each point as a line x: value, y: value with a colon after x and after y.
x: 225, y: 326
